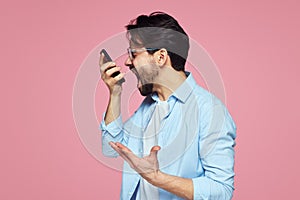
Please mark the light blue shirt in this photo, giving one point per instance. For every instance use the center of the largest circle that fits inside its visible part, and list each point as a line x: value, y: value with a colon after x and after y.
x: 197, y: 139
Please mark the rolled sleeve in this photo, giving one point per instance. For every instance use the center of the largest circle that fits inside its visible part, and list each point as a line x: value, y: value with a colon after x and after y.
x: 114, y: 128
x: 207, y: 189
x: 111, y: 132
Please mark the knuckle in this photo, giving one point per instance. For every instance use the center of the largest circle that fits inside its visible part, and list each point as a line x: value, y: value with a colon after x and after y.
x: 104, y: 66
x: 109, y: 82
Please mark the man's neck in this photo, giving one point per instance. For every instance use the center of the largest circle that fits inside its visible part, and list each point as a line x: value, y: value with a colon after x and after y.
x: 168, y: 81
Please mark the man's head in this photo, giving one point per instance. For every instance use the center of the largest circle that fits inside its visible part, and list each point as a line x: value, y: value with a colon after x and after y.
x: 159, y: 40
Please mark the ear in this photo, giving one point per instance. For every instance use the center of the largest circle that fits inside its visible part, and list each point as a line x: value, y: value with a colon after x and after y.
x: 161, y: 57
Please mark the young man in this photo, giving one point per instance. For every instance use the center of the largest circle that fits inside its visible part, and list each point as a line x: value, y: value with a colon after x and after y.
x: 179, y: 144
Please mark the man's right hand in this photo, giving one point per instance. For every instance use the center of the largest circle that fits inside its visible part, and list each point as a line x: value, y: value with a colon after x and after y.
x: 113, y: 83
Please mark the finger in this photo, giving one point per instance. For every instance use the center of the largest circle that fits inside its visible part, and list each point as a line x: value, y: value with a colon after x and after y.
x: 101, y: 59
x: 105, y: 66
x: 119, y: 151
x: 110, y: 70
x: 129, y: 157
x: 123, y: 147
x: 154, y: 150
x: 120, y: 78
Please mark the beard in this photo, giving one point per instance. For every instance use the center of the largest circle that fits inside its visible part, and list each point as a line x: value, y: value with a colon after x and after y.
x: 146, y: 89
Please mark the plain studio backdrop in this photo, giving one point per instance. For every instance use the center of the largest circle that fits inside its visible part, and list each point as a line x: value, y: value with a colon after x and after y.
x: 255, y: 45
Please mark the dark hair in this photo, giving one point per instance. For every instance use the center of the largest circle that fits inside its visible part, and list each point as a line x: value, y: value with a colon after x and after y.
x: 160, y: 30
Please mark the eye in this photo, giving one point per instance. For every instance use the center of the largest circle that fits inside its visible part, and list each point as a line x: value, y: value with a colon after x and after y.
x: 134, y: 54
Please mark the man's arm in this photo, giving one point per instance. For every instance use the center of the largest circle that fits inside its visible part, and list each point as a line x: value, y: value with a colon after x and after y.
x: 113, y: 109
x: 115, y: 88
x: 148, y: 168
x: 182, y: 187
x: 112, y: 124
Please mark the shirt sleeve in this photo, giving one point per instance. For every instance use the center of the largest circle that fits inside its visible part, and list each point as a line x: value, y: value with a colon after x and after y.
x: 117, y: 131
x: 216, y: 150
x: 111, y: 132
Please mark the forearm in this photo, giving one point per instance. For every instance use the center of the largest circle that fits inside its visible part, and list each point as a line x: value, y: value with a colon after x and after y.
x: 113, y: 109
x: 182, y: 187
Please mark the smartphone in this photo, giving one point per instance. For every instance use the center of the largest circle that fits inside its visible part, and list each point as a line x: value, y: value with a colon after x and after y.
x: 107, y: 58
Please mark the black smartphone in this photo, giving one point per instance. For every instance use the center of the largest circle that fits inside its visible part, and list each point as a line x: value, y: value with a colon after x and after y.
x: 107, y: 58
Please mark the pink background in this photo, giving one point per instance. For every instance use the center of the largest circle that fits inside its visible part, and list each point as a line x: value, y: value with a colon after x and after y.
x: 254, y: 43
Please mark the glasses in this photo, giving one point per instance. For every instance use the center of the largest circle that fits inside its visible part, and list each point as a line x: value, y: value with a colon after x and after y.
x: 131, y: 52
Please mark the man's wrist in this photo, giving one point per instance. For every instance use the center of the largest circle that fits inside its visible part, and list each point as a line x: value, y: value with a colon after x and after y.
x: 156, y: 178
x: 117, y: 91
x: 115, y: 99
x: 115, y: 95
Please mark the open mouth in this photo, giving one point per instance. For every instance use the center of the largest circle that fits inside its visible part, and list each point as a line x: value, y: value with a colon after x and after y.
x: 143, y: 87
x: 131, y: 67
x: 139, y: 82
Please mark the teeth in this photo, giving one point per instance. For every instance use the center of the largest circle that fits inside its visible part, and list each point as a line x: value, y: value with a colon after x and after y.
x: 139, y: 84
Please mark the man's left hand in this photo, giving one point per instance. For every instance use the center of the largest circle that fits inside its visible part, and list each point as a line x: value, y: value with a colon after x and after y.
x: 147, y: 166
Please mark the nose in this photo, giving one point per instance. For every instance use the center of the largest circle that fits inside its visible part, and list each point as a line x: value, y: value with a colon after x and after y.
x: 128, y: 62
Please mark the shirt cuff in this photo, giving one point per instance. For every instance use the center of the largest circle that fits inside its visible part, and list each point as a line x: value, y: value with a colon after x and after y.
x: 201, y: 188
x: 113, y: 128
x: 206, y: 188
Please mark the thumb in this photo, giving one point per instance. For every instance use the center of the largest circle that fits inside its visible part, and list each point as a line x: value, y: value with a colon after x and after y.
x: 154, y: 150
x: 101, y: 60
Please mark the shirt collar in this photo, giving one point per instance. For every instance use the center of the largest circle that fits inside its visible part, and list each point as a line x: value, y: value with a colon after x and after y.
x: 183, y: 91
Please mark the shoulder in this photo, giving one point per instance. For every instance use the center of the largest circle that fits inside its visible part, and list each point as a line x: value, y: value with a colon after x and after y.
x: 210, y: 107
x: 204, y: 98
x: 213, y: 112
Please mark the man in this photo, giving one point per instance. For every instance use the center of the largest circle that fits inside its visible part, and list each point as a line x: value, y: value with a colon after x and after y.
x: 179, y: 144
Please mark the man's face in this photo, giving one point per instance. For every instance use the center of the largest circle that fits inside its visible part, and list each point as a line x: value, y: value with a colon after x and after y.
x: 143, y: 65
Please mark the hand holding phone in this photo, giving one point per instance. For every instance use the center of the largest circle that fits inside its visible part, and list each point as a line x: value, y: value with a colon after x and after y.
x: 106, y: 59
